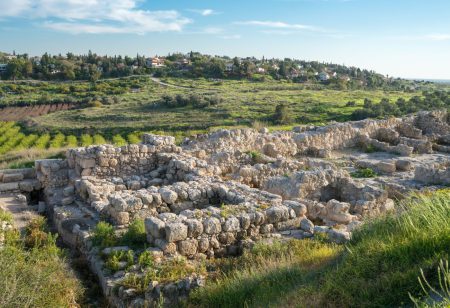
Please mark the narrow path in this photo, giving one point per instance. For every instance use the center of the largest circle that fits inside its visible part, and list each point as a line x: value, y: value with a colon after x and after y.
x: 21, y: 212
x: 164, y: 84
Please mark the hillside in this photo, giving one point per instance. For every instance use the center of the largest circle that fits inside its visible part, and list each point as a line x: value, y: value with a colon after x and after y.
x: 93, y: 67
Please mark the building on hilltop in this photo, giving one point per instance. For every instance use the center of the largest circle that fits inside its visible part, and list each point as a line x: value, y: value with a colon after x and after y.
x: 155, y: 62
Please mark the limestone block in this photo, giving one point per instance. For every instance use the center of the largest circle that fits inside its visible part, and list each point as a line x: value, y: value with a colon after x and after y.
x: 307, y: 225
x: 188, y: 247
x: 12, y: 177
x: 195, y: 227
x: 155, y: 227
x: 176, y: 232
x: 87, y: 163
x: 276, y: 214
x: 231, y: 225
x: 212, y: 225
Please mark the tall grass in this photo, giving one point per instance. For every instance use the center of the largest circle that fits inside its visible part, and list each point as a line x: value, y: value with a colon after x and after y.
x: 387, y: 254
x: 378, y: 268
x: 35, y: 275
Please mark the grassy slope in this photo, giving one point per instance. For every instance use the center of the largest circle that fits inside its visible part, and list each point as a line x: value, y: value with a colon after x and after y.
x: 377, y: 268
x: 244, y: 102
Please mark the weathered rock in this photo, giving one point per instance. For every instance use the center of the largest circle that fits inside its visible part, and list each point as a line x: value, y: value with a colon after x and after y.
x: 212, y: 226
x: 176, y: 232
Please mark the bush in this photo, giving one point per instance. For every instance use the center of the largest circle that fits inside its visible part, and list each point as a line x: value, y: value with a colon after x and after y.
x: 282, y: 115
x: 145, y: 259
x: 98, y: 139
x: 364, y: 173
x: 113, y: 261
x: 133, y: 138
x: 71, y: 141
x: 135, y: 235
x: 57, y: 141
x: 86, y: 140
x: 118, y: 140
x: 42, y: 141
x: 104, y: 235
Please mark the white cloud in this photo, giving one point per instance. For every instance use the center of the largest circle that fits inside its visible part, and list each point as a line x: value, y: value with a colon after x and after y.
x: 204, y: 12
x: 277, y: 25
x: 94, y: 16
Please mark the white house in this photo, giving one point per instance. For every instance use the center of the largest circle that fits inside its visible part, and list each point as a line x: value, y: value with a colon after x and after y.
x: 261, y: 70
x: 155, y: 62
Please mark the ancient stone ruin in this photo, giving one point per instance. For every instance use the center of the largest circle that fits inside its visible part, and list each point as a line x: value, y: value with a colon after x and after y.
x: 217, y: 194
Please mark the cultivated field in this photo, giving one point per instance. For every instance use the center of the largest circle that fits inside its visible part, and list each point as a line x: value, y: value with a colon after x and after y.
x: 22, y: 113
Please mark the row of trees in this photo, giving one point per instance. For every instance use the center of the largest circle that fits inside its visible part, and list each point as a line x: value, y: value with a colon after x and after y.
x: 13, y: 139
x: 429, y: 101
x: 194, y: 100
x: 93, y: 67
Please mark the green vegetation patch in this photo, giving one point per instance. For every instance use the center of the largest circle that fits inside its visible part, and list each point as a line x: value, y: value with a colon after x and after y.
x: 364, y: 173
x: 33, y: 270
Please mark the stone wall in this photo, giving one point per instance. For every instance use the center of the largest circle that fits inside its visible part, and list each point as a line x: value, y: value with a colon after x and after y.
x: 219, y: 232
x: 18, y: 180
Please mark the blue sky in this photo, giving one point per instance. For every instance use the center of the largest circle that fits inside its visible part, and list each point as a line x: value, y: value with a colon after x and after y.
x: 402, y: 38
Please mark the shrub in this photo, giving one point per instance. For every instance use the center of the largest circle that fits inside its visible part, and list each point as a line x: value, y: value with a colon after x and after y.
x: 364, y: 173
x: 71, y: 141
x: 36, y: 233
x: 57, y: 141
x: 133, y: 138
x: 98, y: 139
x: 104, y: 235
x: 5, y: 216
x: 86, y: 140
x: 282, y: 115
x: 95, y: 104
x: 118, y: 140
x: 27, y: 142
x: 113, y: 261
x: 42, y: 141
x: 135, y: 235
x: 146, y: 259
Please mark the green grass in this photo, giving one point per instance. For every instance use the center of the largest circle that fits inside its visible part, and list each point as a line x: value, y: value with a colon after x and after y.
x: 35, y: 274
x: 378, y: 268
x: 364, y: 173
x: 242, y: 103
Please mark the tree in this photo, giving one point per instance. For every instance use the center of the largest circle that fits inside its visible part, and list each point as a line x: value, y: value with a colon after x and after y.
x: 18, y: 68
x: 282, y: 114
